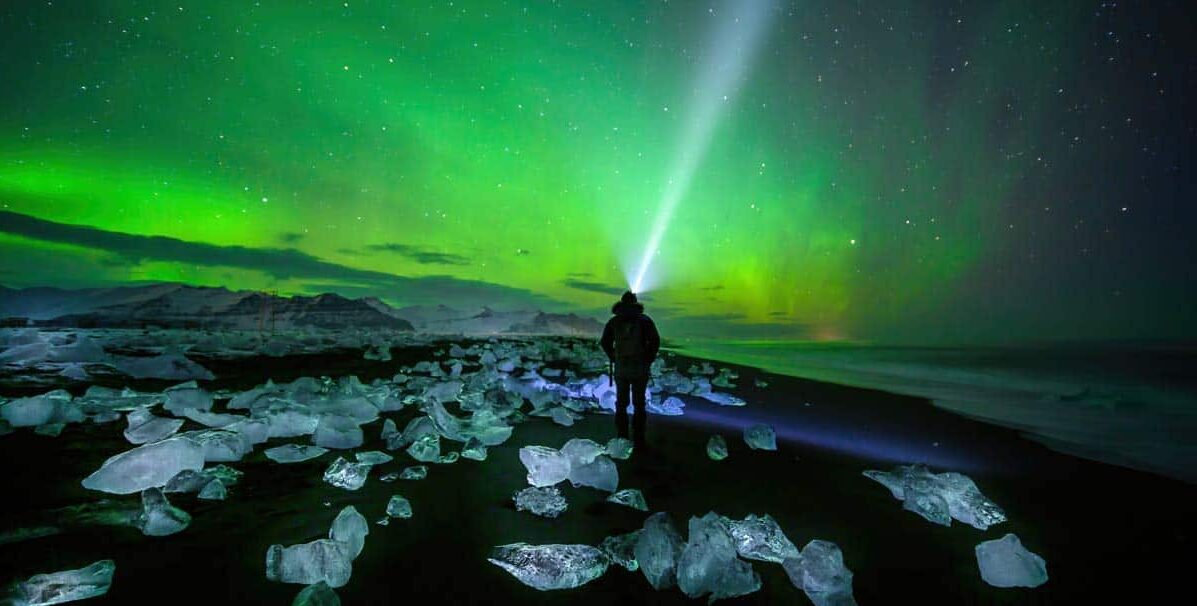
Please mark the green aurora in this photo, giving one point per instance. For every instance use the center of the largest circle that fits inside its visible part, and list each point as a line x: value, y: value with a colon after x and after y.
x: 908, y: 172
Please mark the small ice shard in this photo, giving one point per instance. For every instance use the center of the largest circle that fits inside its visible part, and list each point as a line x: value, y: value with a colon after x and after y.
x: 337, y: 432
x: 294, y: 453
x: 415, y: 472
x: 546, y: 502
x: 599, y: 473
x: 619, y: 448
x: 350, y: 528
x: 308, y: 563
x: 448, y: 458
x: 389, y: 477
x: 389, y: 429
x: 145, y: 427
x: 819, y: 571
x: 186, y: 395
x: 629, y: 497
x: 1005, y: 562
x: 319, y: 594
x: 65, y: 586
x: 474, y: 449
x: 399, y: 507
x: 213, y: 491
x: 927, y: 494
x: 761, y: 538
x: 548, y: 567
x: 546, y: 466
x: 426, y: 448
x: 722, y: 399
x: 657, y: 550
x: 146, y: 466
x: 343, y: 474
x: 708, y: 563
x: 373, y: 457
x: 384, y: 521
x: 621, y: 549
x: 158, y: 517
x: 220, y: 445
x: 760, y: 437
x: 717, y: 448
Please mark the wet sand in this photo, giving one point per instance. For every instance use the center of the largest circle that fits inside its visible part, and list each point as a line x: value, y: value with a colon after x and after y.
x: 1108, y: 534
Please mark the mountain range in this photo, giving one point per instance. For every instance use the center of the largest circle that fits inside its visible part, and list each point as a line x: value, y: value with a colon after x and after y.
x: 172, y: 305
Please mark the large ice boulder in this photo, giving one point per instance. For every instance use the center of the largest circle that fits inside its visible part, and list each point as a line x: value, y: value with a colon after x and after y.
x: 34, y: 410
x: 322, y: 560
x: 146, y: 466
x: 819, y: 571
x: 65, y: 586
x: 657, y: 550
x: 547, y: 567
x: 939, y: 497
x: 709, y: 564
x: 1005, y: 562
x: 350, y: 527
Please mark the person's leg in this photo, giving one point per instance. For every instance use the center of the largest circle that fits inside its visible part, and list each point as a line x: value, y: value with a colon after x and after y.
x: 621, y: 407
x: 639, y: 410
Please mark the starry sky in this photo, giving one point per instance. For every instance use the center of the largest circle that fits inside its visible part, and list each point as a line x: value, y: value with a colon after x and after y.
x: 906, y: 171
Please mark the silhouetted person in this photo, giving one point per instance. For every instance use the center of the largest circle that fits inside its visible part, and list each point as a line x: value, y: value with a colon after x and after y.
x: 631, y: 341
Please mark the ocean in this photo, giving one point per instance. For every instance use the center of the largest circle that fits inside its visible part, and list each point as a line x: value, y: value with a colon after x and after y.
x: 1133, y: 405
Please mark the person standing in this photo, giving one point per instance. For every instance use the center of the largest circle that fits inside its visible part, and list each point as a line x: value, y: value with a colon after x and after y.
x: 631, y: 341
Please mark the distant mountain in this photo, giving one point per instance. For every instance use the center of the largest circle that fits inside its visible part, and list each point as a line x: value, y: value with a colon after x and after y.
x: 181, y: 306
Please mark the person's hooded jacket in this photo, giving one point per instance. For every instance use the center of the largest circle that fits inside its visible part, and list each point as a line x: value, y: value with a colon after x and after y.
x: 634, y: 366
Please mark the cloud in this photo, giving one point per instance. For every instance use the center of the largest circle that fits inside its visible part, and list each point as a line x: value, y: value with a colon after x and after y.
x: 280, y: 263
x: 730, y: 325
x: 712, y: 288
x: 420, y: 255
x: 290, y: 237
x: 593, y: 286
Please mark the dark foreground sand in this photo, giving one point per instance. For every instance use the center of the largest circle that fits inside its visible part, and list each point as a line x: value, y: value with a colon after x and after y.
x: 1108, y: 534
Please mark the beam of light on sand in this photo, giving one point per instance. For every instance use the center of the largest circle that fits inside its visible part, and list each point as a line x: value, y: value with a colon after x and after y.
x: 738, y: 36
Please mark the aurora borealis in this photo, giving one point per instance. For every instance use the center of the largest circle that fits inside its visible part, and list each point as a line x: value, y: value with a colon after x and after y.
x: 888, y: 171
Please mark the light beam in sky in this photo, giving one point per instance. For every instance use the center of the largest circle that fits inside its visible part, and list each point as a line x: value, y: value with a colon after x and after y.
x: 736, y: 40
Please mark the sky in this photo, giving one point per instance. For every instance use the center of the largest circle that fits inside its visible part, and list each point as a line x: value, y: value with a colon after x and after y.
x: 910, y: 172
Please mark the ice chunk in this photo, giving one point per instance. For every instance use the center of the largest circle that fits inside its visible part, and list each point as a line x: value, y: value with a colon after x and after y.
x: 343, y: 474
x: 760, y: 538
x: 337, y: 432
x: 294, y: 453
x: 416, y: 472
x: 1005, y: 562
x: 211, y: 419
x: 938, y: 496
x: 426, y: 448
x: 145, y: 427
x: 31, y: 411
x: 319, y: 594
x: 213, y: 491
x: 720, y: 398
x: 717, y: 448
x: 195, y: 481
x: 547, y: 567
x: 52, y: 430
x: 399, y: 507
x: 599, y: 473
x: 443, y: 392
x: 255, y: 431
x: 819, y: 571
x: 669, y: 407
x: 474, y: 449
x: 320, y: 560
x: 186, y: 395
x: 26, y: 354
x: 708, y: 563
x: 65, y: 586
x: 657, y: 550
x: 158, y: 517
x: 760, y: 437
x: 621, y: 549
x: 220, y: 445
x: 629, y: 497
x: 146, y: 466
x: 546, y: 501
x: 373, y: 457
x: 619, y: 448
x: 290, y: 423
x: 546, y: 466
x: 350, y: 528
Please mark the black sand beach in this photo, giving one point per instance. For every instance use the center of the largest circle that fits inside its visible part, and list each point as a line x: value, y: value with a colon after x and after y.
x: 1108, y: 534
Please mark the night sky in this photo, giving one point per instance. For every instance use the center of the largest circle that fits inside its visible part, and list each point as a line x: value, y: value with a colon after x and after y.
x: 922, y: 172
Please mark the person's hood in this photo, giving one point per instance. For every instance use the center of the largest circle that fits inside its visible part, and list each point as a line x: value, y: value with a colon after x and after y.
x: 627, y: 309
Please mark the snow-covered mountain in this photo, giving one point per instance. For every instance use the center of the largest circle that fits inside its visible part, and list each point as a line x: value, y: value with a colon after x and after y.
x: 182, y: 306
